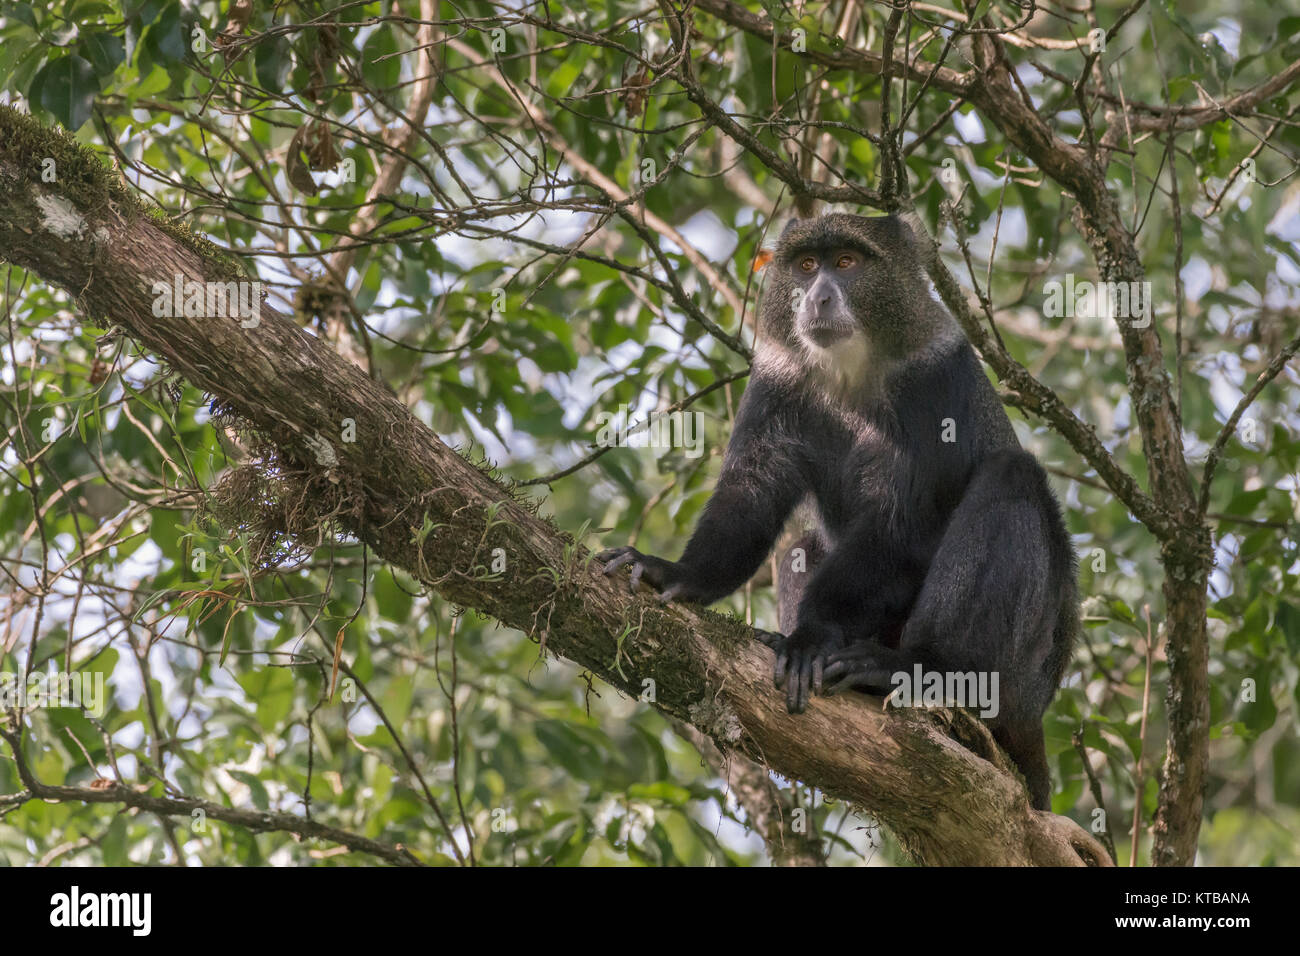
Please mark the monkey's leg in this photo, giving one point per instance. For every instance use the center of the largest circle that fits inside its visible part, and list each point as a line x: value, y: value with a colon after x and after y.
x: 991, y: 606
x: 792, y: 577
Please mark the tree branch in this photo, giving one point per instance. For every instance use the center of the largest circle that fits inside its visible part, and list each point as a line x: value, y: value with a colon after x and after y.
x: 770, y: 810
x: 258, y: 821
x: 1271, y: 371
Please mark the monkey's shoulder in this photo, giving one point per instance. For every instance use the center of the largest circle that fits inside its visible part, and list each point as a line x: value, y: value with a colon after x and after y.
x: 944, y: 392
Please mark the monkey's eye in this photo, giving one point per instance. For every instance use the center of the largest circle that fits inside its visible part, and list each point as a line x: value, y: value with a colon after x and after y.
x: 808, y: 263
x: 845, y: 261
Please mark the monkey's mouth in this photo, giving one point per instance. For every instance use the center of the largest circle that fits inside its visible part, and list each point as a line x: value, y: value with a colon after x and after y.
x: 824, y: 336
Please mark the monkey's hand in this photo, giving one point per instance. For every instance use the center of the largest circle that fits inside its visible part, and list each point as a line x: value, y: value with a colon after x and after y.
x: 801, y: 662
x: 673, y: 581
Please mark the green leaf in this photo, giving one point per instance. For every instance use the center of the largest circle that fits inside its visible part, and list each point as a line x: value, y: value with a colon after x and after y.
x: 396, y: 700
x: 271, y: 689
x: 272, y: 60
x: 22, y: 12
x: 383, y: 73
x: 257, y: 789
x: 570, y: 751
x: 169, y: 39
x: 114, y: 843
x: 144, y: 12
x: 66, y: 88
x: 104, y: 51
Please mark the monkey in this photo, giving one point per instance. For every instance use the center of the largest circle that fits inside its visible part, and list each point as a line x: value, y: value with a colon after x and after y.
x: 937, y: 542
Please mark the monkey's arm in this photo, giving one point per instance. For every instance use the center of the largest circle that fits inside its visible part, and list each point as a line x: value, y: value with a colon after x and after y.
x: 760, y: 484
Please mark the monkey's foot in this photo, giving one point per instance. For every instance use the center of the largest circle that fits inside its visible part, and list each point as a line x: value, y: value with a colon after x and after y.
x: 866, y: 667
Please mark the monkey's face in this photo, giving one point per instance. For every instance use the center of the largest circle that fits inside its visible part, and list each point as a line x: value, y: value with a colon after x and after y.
x: 848, y: 279
x: 823, y: 280
x: 847, y: 303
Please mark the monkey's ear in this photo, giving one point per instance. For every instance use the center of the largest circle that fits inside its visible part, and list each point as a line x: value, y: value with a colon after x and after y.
x: 910, y: 226
x: 788, y: 228
x: 790, y: 224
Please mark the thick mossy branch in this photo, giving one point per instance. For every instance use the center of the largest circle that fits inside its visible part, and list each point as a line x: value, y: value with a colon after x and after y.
x: 80, y: 177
